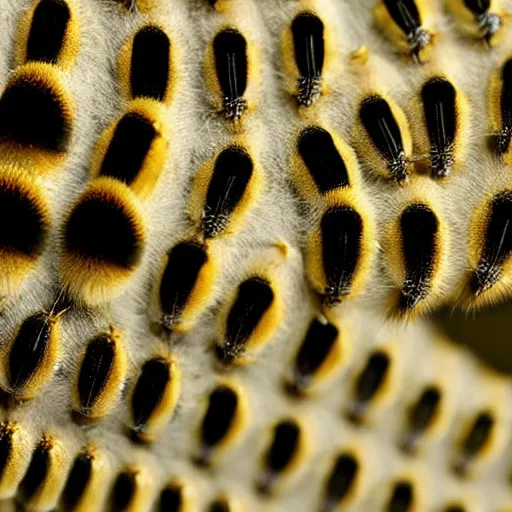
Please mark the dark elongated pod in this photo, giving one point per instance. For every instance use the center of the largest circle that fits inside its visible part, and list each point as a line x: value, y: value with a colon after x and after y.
x: 154, y: 397
x: 283, y: 455
x: 186, y: 286
x: 32, y: 355
x: 368, y: 384
x: 252, y: 319
x: 309, y: 51
x: 223, y: 423
x: 100, y: 377
x: 318, y: 356
x: 231, y: 57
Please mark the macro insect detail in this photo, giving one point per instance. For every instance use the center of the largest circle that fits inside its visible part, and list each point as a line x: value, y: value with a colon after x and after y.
x: 408, y: 22
x: 308, y: 43
x: 230, y: 51
x: 232, y: 233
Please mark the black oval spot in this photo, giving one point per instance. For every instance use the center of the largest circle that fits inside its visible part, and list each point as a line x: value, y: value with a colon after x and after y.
x: 184, y: 262
x: 313, y: 352
x: 48, y: 31
x: 254, y: 298
x: 231, y: 175
x: 284, y: 445
x: 220, y: 505
x: 325, y: 164
x: 29, y: 233
x: 368, y: 383
x: 6, y: 447
x: 37, y: 471
x: 123, y: 491
x: 383, y: 130
x: 419, y: 227
x: 33, y: 115
x: 283, y: 448
x: 155, y: 376
x: 149, y: 71
x: 232, y: 68
x: 421, y: 416
x: 475, y: 441
x: 405, y: 14
x: 28, y: 350
x: 171, y: 499
x: 342, y: 231
x: 454, y: 508
x: 101, y: 228
x: 95, y: 370
x: 128, y: 148
x: 222, y: 408
x: 402, y: 499
x: 478, y: 7
x: 309, y: 47
x: 340, y: 481
x: 78, y: 480
x: 497, y: 244
x: 439, y: 98
x: 502, y: 142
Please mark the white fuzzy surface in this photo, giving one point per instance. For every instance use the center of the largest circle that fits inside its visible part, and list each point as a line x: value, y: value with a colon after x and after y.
x: 197, y: 134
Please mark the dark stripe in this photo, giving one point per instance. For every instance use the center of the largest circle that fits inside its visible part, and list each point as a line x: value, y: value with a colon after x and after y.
x: 405, y: 14
x: 368, y: 383
x: 6, y: 448
x: 419, y: 227
x: 149, y: 71
x: 231, y: 175
x: 154, y: 378
x: 316, y: 347
x: 497, y: 244
x: 325, y: 164
x: 402, y: 499
x: 420, y: 417
x: 184, y: 263
x: 505, y: 135
x: 284, y: 446
x: 128, y: 148
x: 123, y: 492
x: 37, y: 471
x: 255, y: 297
x: 340, y: 481
x: 48, y: 31
x: 478, y: 7
x: 222, y: 406
x: 308, y: 39
x: 219, y: 506
x: 171, y: 499
x: 78, y: 480
x: 383, y: 130
x: 309, y: 47
x: 28, y: 350
x: 342, y: 231
x: 232, y: 67
x: 95, y: 370
x: 479, y: 434
x: 439, y: 105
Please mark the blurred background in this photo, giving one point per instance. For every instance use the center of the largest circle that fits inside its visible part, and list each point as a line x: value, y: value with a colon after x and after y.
x: 488, y: 333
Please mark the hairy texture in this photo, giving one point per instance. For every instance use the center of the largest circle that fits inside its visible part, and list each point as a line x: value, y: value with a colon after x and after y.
x: 320, y: 384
